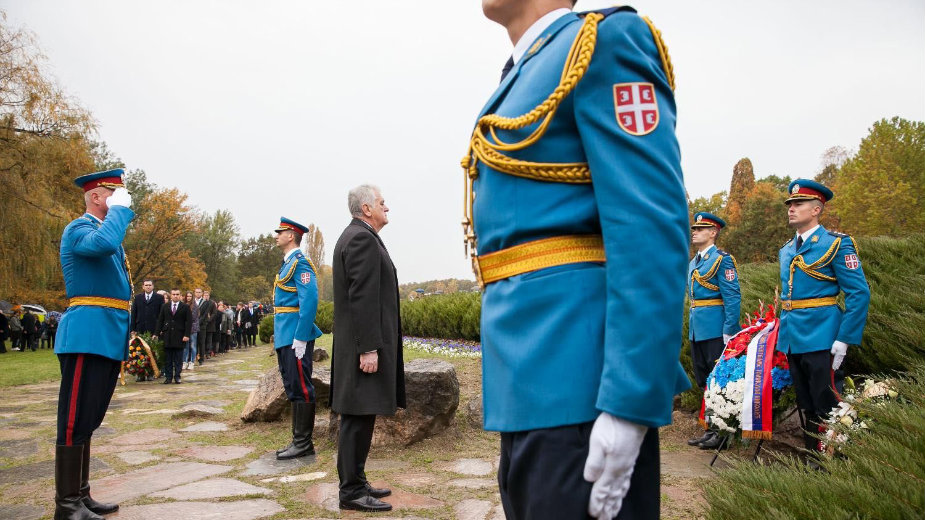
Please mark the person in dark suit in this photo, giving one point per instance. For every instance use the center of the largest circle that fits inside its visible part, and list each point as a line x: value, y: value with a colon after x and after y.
x: 30, y: 327
x: 367, y: 371
x: 4, y: 332
x: 250, y: 321
x: 207, y: 311
x: 173, y: 326
x: 145, y: 309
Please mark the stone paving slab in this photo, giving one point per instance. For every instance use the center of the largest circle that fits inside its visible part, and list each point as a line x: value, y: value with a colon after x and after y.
x: 215, y: 453
x: 473, y: 483
x: 326, y: 495
x: 302, y: 477
x: 117, y: 448
x: 41, y: 470
x: 121, y: 488
x: 21, y: 512
x: 268, y: 465
x: 206, y: 426
x: 198, y: 410
x: 211, y: 488
x: 416, y: 479
x: 473, y: 467
x: 471, y: 509
x: 147, y: 436
x: 18, y: 448
x: 239, y: 510
x: 688, y: 464
x: 137, y: 457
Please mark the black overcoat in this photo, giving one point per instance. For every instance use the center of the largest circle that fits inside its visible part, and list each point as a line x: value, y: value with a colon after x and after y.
x: 366, y: 317
x: 171, y: 328
x: 145, y: 313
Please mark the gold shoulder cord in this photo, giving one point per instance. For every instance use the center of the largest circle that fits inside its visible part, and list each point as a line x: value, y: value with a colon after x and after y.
x: 128, y: 267
x: 704, y: 279
x: 490, y: 152
x: 281, y: 281
x: 813, y: 268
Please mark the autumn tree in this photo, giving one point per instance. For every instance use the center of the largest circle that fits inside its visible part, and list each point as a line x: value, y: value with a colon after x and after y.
x: 881, y: 189
x: 762, y: 228
x: 215, y: 243
x: 743, y: 181
x: 313, y: 247
x: 715, y: 204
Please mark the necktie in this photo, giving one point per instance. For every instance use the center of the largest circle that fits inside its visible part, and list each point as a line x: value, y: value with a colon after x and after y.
x: 799, y: 242
x: 174, y: 311
x: 508, y: 65
x: 699, y: 257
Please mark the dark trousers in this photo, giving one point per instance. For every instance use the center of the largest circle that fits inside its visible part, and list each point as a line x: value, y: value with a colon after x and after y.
x: 174, y: 363
x: 239, y: 337
x: 297, y: 374
x: 223, y: 341
x: 704, y: 355
x: 813, y: 381
x: 87, y: 383
x: 2, y: 344
x: 201, y: 345
x: 252, y: 336
x: 541, y: 475
x: 353, y: 441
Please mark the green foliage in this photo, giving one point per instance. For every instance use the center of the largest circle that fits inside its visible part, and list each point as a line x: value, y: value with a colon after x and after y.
x: 715, y: 204
x: 324, y: 318
x: 882, y: 473
x: 265, y: 329
x: 881, y: 190
x: 896, y: 318
x: 447, y: 286
x: 215, y: 244
x: 157, y: 348
x: 450, y: 316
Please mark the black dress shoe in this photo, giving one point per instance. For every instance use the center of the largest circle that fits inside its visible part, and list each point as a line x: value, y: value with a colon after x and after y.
x: 176, y: 381
x: 707, y: 435
x: 377, y: 492
x: 366, y: 503
x: 166, y: 381
x: 712, y: 443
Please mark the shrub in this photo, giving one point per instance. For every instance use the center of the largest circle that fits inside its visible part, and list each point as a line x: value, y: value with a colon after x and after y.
x: 448, y: 316
x: 880, y: 475
x: 265, y: 329
x: 324, y: 318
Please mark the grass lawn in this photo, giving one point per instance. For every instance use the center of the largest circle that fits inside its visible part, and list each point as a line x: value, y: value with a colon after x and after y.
x: 23, y: 368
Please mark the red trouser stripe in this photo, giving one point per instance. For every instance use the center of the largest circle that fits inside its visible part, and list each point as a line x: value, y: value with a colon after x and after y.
x: 298, y: 363
x: 72, y: 406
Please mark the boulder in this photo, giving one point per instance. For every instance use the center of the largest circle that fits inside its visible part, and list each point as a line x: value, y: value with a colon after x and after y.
x: 268, y: 401
x: 432, y: 391
x: 474, y: 411
x: 320, y: 354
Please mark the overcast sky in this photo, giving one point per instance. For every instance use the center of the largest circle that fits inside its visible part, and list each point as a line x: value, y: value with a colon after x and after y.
x: 276, y: 108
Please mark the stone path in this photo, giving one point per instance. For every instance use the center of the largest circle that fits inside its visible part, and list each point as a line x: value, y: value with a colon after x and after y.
x: 180, y: 451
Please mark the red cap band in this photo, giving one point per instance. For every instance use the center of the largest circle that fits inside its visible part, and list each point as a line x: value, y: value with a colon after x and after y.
x: 106, y: 182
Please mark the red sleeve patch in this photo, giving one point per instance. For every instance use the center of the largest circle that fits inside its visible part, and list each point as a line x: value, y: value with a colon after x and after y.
x: 305, y: 277
x: 730, y: 274
x: 852, y: 262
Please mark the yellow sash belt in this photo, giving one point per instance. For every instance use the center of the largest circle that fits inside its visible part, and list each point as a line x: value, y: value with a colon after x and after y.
x: 536, y: 255
x: 284, y: 310
x: 100, y: 301
x: 789, y: 305
x: 707, y: 303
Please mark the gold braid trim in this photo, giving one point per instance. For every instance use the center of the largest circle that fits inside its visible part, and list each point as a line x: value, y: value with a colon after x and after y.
x: 281, y: 281
x: 490, y: 151
x: 813, y: 269
x: 704, y: 279
x: 662, y: 51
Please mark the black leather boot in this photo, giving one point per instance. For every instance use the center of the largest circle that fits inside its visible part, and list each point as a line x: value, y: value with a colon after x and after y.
x: 303, y: 422
x: 707, y: 435
x: 68, y: 474
x: 99, y: 508
x: 289, y: 446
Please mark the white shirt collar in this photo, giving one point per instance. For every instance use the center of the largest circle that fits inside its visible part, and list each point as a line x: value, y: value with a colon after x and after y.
x: 94, y: 217
x: 288, y: 255
x: 704, y: 252
x: 808, y: 233
x: 535, y: 31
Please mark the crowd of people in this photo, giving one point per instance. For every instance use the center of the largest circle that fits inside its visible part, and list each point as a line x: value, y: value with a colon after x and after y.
x: 213, y: 326
x: 26, y: 330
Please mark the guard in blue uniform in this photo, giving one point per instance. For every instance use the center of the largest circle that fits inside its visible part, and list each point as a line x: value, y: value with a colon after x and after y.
x: 92, y: 337
x: 575, y: 202
x: 713, y: 292
x: 815, y: 266
x: 295, y: 297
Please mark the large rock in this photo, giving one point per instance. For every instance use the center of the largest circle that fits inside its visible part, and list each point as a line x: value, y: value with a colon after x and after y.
x: 432, y: 390
x: 320, y: 354
x: 268, y: 401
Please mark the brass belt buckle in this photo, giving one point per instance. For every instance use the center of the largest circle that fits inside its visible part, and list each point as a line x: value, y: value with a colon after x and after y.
x: 787, y: 305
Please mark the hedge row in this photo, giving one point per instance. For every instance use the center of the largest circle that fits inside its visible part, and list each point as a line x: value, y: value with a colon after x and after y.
x: 448, y: 316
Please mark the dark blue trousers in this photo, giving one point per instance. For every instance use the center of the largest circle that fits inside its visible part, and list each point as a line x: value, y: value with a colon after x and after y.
x: 297, y: 375
x: 87, y: 384
x: 541, y: 475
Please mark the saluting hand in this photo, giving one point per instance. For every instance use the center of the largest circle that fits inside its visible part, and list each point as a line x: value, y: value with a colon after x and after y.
x: 369, y: 362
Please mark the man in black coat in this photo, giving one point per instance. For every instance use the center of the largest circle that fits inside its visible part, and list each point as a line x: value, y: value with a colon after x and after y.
x: 173, y: 326
x: 145, y: 309
x: 4, y: 332
x: 367, y: 370
x: 207, y: 311
x: 30, y: 328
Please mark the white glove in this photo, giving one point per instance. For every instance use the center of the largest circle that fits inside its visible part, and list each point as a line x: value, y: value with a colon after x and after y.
x: 839, y: 349
x: 614, y: 446
x: 299, y: 347
x: 120, y: 197
x: 726, y: 338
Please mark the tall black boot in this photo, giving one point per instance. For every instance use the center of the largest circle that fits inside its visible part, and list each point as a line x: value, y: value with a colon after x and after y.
x: 303, y: 422
x: 68, y: 474
x: 99, y: 508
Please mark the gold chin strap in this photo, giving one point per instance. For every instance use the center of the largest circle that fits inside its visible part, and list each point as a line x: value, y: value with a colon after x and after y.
x: 490, y: 151
x: 813, y: 269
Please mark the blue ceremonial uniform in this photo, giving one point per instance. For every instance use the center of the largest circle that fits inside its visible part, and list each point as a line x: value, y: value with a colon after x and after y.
x: 94, y: 265
x: 296, y: 286
x: 718, y: 279
x: 610, y: 329
x: 830, y: 264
